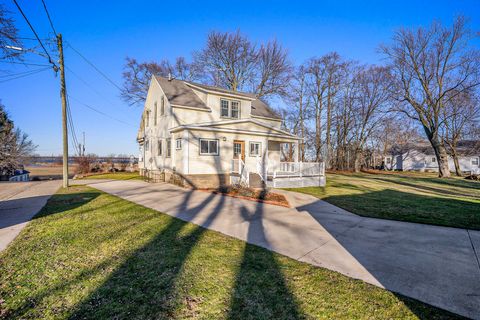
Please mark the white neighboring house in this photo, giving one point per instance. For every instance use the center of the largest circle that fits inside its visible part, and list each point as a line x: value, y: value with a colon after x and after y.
x: 204, y: 137
x: 420, y: 157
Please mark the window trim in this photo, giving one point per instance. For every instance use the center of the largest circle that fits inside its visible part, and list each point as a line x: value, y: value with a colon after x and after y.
x: 259, y: 148
x: 159, y: 147
x: 168, y: 152
x: 155, y: 113
x: 229, y: 108
x: 178, y: 144
x: 162, y: 106
x: 476, y: 159
x: 147, y: 118
x: 208, y: 140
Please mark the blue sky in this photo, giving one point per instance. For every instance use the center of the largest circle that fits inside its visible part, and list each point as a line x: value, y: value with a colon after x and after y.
x: 108, y: 31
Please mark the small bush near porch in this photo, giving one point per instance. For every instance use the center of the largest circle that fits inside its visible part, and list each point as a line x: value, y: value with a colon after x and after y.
x: 413, y: 197
x: 89, y: 255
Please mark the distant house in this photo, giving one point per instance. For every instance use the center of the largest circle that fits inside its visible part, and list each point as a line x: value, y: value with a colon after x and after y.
x: 203, y: 136
x: 420, y: 157
x: 18, y: 175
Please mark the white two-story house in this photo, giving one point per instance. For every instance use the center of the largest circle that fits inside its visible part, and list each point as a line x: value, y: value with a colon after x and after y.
x: 204, y: 137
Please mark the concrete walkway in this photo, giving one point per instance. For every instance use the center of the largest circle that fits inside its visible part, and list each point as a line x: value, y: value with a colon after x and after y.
x: 436, y: 265
x: 19, y: 202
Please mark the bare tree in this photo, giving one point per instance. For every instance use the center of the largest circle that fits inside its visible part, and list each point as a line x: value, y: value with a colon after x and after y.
x: 227, y: 60
x: 232, y: 61
x: 8, y: 35
x: 273, y: 71
x: 372, y: 86
x: 15, y: 146
x: 460, y: 115
x: 137, y: 75
x: 429, y: 66
x: 298, y: 115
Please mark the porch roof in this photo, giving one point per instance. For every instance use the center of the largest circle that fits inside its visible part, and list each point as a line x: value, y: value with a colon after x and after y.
x: 275, y: 133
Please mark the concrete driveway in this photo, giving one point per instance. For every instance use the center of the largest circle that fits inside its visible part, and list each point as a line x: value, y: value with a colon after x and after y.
x: 19, y: 202
x: 437, y: 265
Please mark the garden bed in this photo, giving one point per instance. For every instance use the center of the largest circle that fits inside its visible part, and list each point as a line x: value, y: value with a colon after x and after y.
x: 257, y: 195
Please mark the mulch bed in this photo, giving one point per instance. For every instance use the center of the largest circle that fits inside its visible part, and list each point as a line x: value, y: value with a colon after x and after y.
x: 262, y: 196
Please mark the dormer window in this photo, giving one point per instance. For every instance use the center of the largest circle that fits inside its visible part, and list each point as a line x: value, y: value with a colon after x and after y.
x: 229, y: 109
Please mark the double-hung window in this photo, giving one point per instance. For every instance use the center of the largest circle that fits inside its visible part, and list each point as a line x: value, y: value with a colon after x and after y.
x: 209, y: 147
x: 159, y: 147
x: 178, y: 144
x: 229, y: 109
x: 155, y: 114
x: 255, y: 149
x: 169, y: 148
x: 162, y: 106
x: 147, y: 118
x: 475, y: 161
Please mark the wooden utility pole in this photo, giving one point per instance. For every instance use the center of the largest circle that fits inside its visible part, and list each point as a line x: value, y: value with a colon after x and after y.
x: 63, y: 94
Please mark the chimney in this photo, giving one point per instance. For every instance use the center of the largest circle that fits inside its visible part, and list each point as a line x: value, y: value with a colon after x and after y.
x: 169, y: 76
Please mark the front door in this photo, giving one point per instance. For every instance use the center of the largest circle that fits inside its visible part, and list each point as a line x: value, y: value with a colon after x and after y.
x: 239, y: 149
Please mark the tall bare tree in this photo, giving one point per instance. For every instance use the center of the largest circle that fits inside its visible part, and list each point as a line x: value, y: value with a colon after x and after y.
x: 8, y: 34
x: 297, y: 116
x: 461, y: 113
x: 137, y: 75
x: 429, y: 66
x: 373, y: 96
x: 232, y: 61
x: 15, y: 146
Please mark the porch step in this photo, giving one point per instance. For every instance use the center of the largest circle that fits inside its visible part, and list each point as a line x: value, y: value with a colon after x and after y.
x: 256, y: 181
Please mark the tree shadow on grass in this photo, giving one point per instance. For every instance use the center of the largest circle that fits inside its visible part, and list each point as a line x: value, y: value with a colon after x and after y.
x: 260, y: 290
x: 417, y: 261
x: 403, y: 206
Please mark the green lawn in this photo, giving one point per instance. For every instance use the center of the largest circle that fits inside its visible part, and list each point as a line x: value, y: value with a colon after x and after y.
x: 421, y: 198
x: 90, y: 255
x: 116, y: 176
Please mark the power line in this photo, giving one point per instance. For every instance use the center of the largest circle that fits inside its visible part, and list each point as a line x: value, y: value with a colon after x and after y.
x: 95, y: 67
x: 31, y: 72
x: 102, y: 113
x: 50, y: 20
x: 87, y: 84
x: 72, y: 127
x: 26, y: 63
x: 35, y: 33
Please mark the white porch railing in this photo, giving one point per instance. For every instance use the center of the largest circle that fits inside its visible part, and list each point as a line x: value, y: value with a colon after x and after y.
x: 239, y: 167
x: 286, y: 169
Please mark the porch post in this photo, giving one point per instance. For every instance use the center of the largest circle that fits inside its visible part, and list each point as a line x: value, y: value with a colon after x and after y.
x: 185, y: 151
x: 296, y: 153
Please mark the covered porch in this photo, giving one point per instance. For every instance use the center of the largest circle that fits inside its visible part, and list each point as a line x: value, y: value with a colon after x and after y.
x: 278, y: 166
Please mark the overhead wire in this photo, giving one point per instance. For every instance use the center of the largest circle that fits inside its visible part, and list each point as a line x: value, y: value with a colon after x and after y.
x: 35, y: 33
x: 25, y: 74
x: 49, y: 19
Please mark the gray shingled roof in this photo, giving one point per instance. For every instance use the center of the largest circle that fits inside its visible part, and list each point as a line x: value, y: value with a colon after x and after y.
x: 179, y: 93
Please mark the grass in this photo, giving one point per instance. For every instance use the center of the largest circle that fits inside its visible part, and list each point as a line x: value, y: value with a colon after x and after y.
x: 90, y: 255
x: 116, y: 176
x: 413, y: 197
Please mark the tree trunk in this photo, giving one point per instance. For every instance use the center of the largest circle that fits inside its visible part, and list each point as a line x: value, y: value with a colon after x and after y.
x: 318, y: 133
x: 458, y: 172
x: 357, y: 161
x: 440, y: 154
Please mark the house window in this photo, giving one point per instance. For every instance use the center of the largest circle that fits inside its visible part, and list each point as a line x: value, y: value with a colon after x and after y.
x: 169, y: 148
x: 147, y: 118
x: 388, y: 160
x: 155, y: 114
x: 237, y: 149
x: 434, y: 160
x: 475, y: 161
x: 235, y: 112
x: 230, y: 109
x: 162, y: 106
x: 209, y: 147
x: 178, y: 144
x: 159, y: 147
x: 255, y: 149
x: 225, y: 111
x: 147, y: 145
